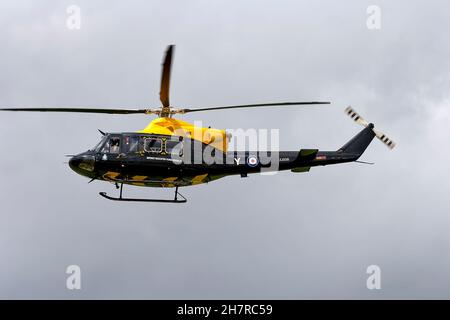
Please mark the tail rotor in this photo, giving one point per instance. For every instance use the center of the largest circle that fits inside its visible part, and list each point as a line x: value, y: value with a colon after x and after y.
x: 360, y: 120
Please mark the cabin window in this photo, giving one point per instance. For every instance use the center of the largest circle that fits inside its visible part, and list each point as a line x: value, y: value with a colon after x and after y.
x: 174, y: 147
x: 152, y: 145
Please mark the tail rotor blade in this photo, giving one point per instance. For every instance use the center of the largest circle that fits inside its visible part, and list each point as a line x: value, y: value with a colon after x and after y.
x: 383, y: 138
x: 356, y: 117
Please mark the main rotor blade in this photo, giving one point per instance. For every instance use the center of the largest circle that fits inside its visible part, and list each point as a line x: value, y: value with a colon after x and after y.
x: 78, y: 110
x: 165, y: 77
x: 254, y: 105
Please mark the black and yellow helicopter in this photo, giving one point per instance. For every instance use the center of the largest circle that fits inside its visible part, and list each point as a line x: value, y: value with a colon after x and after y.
x: 169, y: 152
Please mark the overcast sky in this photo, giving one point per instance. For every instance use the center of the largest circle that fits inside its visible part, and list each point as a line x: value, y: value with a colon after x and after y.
x: 307, y: 235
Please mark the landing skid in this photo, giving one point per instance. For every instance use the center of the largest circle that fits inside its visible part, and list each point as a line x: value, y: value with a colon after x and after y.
x: 121, y: 198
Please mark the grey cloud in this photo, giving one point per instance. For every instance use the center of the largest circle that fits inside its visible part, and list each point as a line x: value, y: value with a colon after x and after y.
x: 284, y: 236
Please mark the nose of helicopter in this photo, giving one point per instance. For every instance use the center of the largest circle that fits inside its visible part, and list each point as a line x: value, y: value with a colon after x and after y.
x: 82, y: 164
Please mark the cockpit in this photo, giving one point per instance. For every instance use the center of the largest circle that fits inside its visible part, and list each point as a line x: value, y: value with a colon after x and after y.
x: 119, y: 146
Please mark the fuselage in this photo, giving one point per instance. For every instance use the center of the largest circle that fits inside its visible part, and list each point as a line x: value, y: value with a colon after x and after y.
x: 156, y: 160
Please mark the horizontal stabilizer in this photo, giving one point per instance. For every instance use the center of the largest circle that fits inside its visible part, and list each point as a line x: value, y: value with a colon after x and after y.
x: 307, y: 154
x: 300, y: 169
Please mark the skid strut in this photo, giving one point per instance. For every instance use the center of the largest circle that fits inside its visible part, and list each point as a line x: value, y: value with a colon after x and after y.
x: 121, y: 198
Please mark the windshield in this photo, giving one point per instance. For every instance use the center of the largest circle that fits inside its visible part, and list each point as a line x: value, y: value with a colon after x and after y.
x: 99, y: 144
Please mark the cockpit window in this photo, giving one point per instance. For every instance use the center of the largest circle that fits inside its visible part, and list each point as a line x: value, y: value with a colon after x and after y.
x: 99, y: 144
x: 153, y: 145
x: 130, y: 144
x: 112, y: 145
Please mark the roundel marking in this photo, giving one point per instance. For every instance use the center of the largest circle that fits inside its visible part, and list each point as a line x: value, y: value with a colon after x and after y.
x: 252, y: 161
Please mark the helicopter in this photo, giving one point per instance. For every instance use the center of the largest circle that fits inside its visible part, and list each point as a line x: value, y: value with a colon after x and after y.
x: 169, y: 153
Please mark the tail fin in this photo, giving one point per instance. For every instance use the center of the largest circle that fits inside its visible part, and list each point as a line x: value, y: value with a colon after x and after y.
x: 358, y: 144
